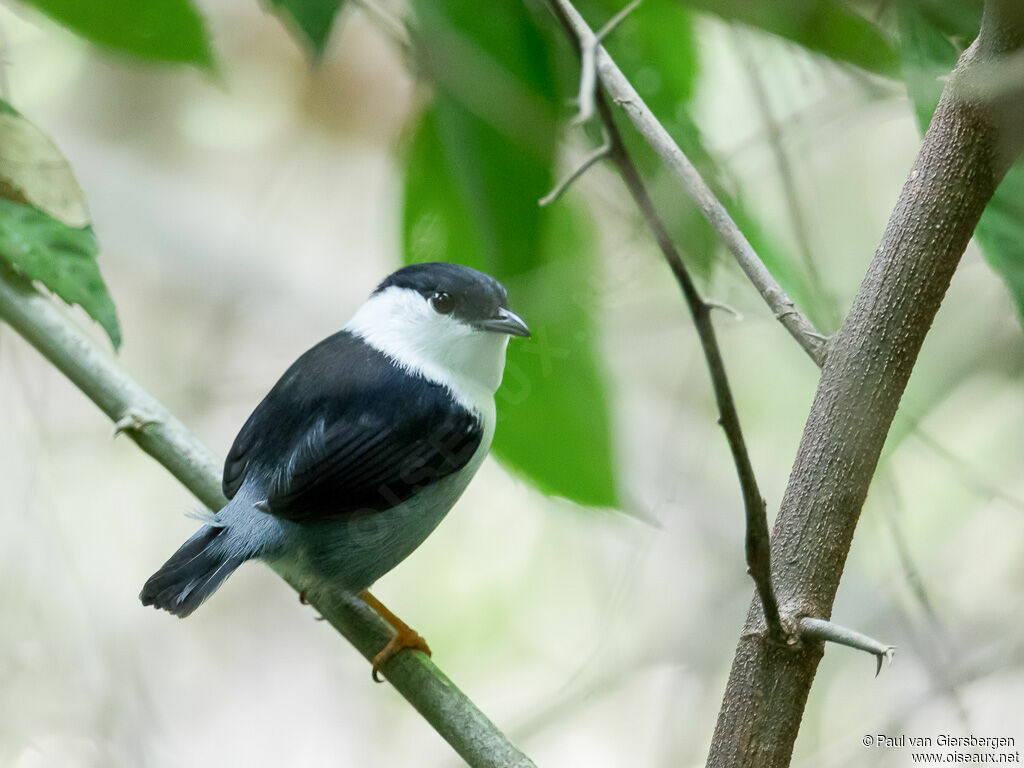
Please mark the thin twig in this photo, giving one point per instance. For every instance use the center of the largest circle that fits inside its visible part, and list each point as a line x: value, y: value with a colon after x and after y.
x: 970, y: 475
x: 758, y: 549
x: 819, y: 629
x: 758, y: 552
x: 622, y: 93
x: 393, y: 27
x: 910, y: 570
x: 588, y: 65
x: 615, y: 20
x: 560, y: 188
x: 448, y: 710
x: 729, y: 310
x: 5, y: 83
x: 787, y: 178
x: 939, y: 669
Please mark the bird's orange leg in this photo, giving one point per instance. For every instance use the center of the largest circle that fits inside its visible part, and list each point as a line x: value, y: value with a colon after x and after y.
x: 405, y: 636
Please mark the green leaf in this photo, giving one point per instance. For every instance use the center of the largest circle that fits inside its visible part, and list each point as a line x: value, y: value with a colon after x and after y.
x: 159, y: 30
x: 553, y: 414
x: 656, y: 45
x: 928, y: 53
x: 44, y: 224
x: 822, y: 26
x: 1001, y: 234
x: 959, y: 20
x: 309, y: 20
x: 926, y: 56
x: 60, y: 257
x: 33, y: 171
x: 480, y: 158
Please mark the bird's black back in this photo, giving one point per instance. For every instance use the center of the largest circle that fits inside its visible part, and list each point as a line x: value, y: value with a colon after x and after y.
x: 345, y: 431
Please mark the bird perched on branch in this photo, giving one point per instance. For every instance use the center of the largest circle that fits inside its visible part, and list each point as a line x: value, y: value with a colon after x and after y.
x: 362, y: 446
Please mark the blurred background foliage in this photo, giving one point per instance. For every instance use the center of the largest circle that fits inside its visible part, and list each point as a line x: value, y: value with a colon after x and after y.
x: 486, y: 147
x: 428, y: 130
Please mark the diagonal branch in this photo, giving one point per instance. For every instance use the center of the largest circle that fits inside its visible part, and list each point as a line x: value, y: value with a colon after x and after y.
x: 622, y: 93
x: 758, y: 551
x: 588, y: 68
x: 757, y: 543
x: 448, y: 710
x: 787, y: 179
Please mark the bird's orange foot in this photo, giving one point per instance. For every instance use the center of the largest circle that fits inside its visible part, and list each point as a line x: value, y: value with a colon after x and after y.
x: 406, y: 638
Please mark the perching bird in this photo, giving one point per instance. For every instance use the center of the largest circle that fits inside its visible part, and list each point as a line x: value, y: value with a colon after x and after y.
x: 362, y: 447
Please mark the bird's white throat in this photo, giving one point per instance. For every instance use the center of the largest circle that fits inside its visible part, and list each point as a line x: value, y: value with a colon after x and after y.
x: 401, y: 324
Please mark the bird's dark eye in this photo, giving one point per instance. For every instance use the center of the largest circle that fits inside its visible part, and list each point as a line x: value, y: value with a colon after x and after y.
x: 442, y: 303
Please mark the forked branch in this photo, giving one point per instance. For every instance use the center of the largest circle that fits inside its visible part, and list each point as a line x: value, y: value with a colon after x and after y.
x: 622, y: 92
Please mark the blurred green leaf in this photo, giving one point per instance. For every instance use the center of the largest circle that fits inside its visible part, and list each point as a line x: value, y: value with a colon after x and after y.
x: 62, y: 258
x: 822, y: 26
x: 928, y: 53
x: 1001, y: 234
x: 956, y: 20
x: 656, y: 46
x: 480, y: 158
x: 33, y: 171
x: 309, y: 20
x: 160, y: 30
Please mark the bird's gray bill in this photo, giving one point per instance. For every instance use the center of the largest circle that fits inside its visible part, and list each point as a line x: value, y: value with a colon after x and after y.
x: 506, y: 321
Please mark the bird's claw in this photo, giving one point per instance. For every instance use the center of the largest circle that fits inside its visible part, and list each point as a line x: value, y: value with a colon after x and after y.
x: 399, y: 642
x: 304, y: 600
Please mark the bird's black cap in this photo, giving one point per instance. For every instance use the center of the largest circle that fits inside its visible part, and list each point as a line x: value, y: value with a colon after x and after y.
x: 477, y: 296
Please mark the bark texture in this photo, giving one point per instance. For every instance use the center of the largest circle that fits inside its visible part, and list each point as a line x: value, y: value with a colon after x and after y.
x: 965, y: 153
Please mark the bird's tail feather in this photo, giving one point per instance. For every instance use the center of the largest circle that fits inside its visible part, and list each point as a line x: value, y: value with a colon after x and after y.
x: 192, y: 574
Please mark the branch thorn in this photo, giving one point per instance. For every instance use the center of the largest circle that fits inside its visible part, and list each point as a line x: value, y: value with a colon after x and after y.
x: 133, y: 421
x: 712, y: 304
x: 820, y: 629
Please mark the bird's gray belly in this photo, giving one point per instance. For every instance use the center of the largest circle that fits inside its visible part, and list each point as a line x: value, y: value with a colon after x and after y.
x: 352, y: 554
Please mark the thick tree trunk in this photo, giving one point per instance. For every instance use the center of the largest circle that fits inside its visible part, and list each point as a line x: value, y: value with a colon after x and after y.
x: 966, y: 151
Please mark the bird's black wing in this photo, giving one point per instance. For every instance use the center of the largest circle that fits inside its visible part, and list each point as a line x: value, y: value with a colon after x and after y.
x: 345, y: 432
